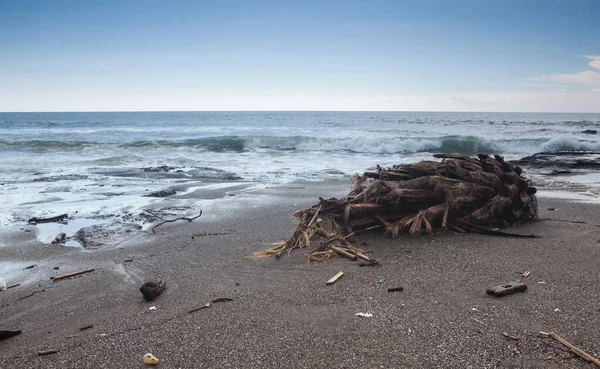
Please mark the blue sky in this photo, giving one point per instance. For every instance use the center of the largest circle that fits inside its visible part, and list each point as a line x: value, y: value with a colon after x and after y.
x: 479, y: 55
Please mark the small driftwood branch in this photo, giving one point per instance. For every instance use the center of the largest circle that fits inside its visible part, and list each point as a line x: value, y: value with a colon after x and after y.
x: 510, y: 336
x: 576, y: 350
x: 169, y: 220
x: 335, y: 278
x: 343, y: 253
x: 63, y: 276
x: 47, y: 352
x: 58, y: 218
x: 395, y: 289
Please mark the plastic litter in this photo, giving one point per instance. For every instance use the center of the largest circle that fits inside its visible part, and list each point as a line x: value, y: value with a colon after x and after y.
x: 364, y: 315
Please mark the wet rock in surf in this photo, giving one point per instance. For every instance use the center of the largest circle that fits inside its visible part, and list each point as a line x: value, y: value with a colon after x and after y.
x: 97, y: 236
x: 167, y: 172
x: 562, y: 160
x: 590, y: 131
x: 162, y: 193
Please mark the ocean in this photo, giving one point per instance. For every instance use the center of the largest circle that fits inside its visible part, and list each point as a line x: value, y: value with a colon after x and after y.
x: 100, y: 165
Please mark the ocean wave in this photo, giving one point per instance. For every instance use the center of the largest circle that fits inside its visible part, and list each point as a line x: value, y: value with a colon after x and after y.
x: 350, y: 143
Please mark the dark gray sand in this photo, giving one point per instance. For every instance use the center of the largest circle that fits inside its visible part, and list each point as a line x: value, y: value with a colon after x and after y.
x: 283, y: 315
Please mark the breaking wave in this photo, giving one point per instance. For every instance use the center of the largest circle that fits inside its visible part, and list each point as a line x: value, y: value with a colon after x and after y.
x: 377, y: 144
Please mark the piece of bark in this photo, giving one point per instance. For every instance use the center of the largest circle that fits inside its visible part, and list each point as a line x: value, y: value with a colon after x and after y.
x: 63, y: 276
x: 335, y: 278
x: 395, y: 289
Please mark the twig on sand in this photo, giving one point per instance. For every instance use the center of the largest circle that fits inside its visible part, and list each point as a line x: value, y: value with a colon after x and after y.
x: 509, y: 336
x: 335, y: 278
x: 169, y: 220
x: 68, y: 275
x: 576, y: 350
x: 47, y: 352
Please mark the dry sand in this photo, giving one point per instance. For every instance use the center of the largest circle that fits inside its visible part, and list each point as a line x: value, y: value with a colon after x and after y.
x: 283, y: 315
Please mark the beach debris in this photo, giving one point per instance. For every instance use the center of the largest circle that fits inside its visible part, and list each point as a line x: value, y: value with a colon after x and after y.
x: 150, y: 359
x: 590, y: 131
x: 13, y: 286
x: 4, y: 334
x: 47, y: 352
x: 152, y: 308
x: 222, y: 299
x: 335, y: 278
x: 30, y: 267
x: 364, y: 315
x: 152, y: 289
x: 73, y: 274
x: 169, y: 220
x: 395, y: 289
x: 86, y: 327
x: 477, y: 320
x: 31, y: 294
x: 58, y: 218
x: 510, y: 336
x: 207, y: 305
x: 3, y: 285
x: 557, y: 310
x: 526, y: 274
x: 459, y: 193
x: 162, y: 193
x: 60, y: 238
x: 507, y: 289
x: 574, y: 349
x: 379, y: 281
x: 207, y: 234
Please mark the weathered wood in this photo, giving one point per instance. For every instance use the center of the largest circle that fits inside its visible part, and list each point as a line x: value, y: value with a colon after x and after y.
x: 58, y: 218
x: 47, y: 352
x: 68, y: 275
x: 335, y: 278
x: 574, y: 349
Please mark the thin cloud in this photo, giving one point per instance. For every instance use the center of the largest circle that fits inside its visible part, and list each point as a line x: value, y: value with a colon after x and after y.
x: 587, y: 77
x: 595, y: 63
x: 584, y: 78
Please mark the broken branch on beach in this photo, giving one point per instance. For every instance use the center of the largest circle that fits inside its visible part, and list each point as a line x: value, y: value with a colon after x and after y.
x: 58, y: 218
x: 481, y: 195
x: 574, y: 349
x: 169, y: 220
x: 73, y: 274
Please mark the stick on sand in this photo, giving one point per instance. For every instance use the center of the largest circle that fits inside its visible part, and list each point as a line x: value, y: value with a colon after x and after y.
x: 576, y: 350
x: 63, y: 276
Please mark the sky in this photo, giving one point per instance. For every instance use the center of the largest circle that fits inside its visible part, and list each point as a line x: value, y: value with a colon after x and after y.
x: 400, y: 55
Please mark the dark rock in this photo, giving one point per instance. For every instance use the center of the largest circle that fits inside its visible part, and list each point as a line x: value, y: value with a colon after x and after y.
x: 507, y: 289
x: 162, y: 193
x: 590, y: 131
x: 558, y: 160
x: 151, y: 290
x: 8, y: 334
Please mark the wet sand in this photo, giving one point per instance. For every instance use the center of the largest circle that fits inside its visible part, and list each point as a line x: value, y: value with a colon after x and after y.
x: 284, y: 315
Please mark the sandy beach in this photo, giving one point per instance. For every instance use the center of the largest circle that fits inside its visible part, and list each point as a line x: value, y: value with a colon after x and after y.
x: 283, y: 315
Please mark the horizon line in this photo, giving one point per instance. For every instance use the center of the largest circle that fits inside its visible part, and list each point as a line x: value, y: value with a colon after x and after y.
x: 297, y: 111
